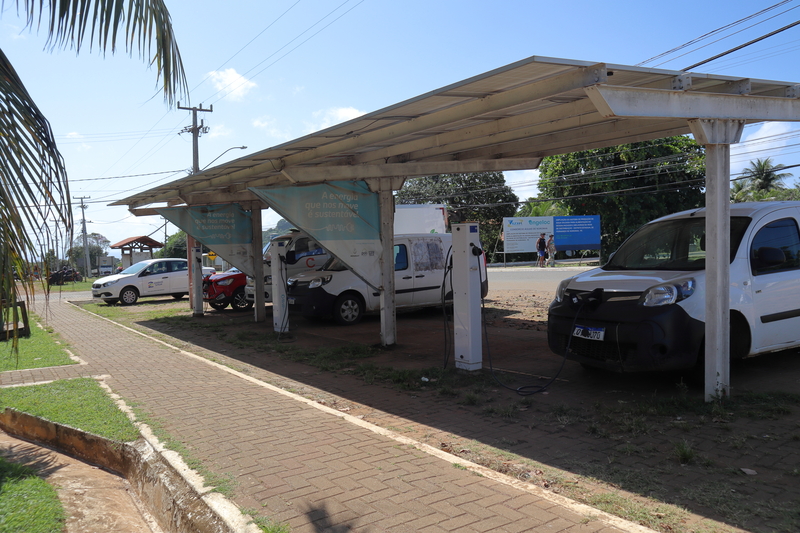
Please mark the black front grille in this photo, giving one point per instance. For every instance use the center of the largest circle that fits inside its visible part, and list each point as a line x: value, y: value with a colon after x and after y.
x: 599, y: 350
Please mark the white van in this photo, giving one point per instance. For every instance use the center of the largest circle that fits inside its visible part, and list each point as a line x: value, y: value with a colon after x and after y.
x: 645, y: 308
x: 302, y: 253
x: 422, y: 265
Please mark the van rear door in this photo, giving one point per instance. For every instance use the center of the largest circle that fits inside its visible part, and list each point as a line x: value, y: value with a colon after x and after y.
x: 428, y: 258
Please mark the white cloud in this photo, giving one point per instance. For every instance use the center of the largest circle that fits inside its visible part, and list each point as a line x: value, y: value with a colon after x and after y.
x: 523, y: 182
x: 332, y: 116
x: 219, y: 131
x: 270, y: 126
x: 75, y: 136
x: 231, y: 83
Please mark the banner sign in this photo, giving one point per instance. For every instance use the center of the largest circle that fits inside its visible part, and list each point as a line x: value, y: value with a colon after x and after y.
x: 343, y: 216
x: 227, y: 229
x: 571, y: 233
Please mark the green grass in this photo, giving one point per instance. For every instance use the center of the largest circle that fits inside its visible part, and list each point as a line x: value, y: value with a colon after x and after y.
x: 27, y: 503
x: 80, y: 286
x: 40, y: 350
x: 79, y: 403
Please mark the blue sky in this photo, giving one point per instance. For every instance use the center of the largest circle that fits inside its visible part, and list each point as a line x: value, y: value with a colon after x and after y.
x: 275, y: 70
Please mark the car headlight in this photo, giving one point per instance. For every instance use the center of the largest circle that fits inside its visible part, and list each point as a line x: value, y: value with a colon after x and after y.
x: 109, y: 283
x: 225, y: 282
x: 562, y: 289
x: 319, y: 282
x: 668, y: 294
x: 268, y: 280
x: 251, y: 282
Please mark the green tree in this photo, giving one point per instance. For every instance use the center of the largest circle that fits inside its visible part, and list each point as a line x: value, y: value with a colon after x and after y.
x: 759, y: 181
x: 483, y: 197
x: 175, y: 246
x: 540, y: 208
x: 98, y: 245
x: 627, y: 185
x: 34, y: 197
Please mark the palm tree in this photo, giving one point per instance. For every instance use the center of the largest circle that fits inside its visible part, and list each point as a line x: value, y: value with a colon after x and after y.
x: 762, y: 175
x: 35, y: 210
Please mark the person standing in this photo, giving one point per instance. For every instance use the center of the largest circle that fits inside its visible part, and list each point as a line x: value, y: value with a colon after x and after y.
x: 551, y: 251
x: 541, y: 248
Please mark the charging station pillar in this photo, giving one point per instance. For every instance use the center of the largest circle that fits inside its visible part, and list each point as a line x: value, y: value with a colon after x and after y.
x: 467, y: 256
x: 280, y: 309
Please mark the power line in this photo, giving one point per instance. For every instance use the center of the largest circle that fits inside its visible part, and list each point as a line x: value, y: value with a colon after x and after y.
x: 770, y: 34
x: 714, y: 32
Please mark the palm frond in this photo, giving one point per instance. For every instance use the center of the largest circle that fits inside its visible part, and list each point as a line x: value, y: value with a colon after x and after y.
x: 145, y: 25
x: 34, y: 192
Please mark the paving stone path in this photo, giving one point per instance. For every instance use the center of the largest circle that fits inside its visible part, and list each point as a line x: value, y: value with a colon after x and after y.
x: 299, y: 462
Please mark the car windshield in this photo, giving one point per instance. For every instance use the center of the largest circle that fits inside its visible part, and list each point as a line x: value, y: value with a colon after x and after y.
x: 135, y: 268
x: 677, y: 244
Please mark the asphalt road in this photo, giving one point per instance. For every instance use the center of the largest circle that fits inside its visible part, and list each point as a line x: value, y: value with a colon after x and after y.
x: 530, y: 277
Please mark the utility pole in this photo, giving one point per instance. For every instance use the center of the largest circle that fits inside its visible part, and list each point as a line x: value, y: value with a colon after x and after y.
x: 193, y: 249
x: 87, y: 263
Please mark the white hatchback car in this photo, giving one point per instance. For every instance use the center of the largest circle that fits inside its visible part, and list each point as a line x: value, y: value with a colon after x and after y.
x: 152, y: 277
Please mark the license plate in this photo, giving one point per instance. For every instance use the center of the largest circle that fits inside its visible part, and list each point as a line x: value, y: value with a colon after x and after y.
x: 290, y: 301
x: 594, y: 334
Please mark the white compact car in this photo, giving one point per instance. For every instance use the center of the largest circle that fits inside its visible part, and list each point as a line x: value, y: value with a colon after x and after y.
x: 645, y: 308
x: 153, y: 277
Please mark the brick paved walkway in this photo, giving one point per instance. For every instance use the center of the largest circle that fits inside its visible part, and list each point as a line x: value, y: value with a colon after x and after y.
x: 299, y: 462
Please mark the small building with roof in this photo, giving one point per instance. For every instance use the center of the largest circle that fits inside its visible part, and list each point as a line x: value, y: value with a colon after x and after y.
x: 135, y: 249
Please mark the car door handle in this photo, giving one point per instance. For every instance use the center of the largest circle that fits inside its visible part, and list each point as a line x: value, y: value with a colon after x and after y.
x: 420, y: 276
x: 406, y: 277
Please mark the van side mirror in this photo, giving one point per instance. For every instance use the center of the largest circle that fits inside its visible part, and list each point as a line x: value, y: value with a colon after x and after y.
x: 290, y: 257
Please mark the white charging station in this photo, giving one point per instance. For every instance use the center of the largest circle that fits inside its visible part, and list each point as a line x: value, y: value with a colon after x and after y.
x: 279, y: 304
x: 467, y: 296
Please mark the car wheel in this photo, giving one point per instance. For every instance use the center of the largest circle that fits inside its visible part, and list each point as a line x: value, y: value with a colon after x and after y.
x: 179, y: 295
x: 110, y: 301
x: 219, y: 306
x: 128, y: 296
x: 348, y: 309
x: 240, y: 301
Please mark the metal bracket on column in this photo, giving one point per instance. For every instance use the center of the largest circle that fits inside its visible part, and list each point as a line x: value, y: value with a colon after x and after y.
x: 717, y: 131
x: 682, y: 82
x: 382, y: 184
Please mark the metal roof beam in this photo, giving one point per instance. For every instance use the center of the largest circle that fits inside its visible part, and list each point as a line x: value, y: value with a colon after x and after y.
x: 655, y: 103
x: 568, y: 81
x: 548, y: 119
x: 358, y: 172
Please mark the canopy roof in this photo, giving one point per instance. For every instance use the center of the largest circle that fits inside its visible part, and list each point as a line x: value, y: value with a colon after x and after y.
x: 137, y: 243
x: 505, y: 119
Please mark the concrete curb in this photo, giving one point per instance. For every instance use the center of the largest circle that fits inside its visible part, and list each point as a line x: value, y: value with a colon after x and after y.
x: 178, y: 502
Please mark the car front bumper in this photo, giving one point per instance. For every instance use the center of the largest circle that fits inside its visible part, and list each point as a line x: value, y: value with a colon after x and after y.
x: 636, y: 338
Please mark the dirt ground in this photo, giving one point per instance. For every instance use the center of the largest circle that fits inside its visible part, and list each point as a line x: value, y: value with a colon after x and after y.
x: 645, y: 447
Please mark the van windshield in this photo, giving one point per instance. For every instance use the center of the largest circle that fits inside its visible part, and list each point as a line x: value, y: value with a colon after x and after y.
x: 333, y: 265
x: 677, y: 244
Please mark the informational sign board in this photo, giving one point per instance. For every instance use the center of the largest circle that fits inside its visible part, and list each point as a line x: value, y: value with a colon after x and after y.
x: 571, y: 232
x: 342, y: 216
x: 227, y: 228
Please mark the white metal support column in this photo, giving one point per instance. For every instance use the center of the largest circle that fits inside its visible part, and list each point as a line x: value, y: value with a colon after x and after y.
x: 195, y: 252
x: 259, y: 311
x: 388, y: 309
x: 717, y: 135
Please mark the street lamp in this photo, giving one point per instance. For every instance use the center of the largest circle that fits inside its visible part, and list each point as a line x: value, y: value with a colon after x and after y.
x: 223, y: 153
